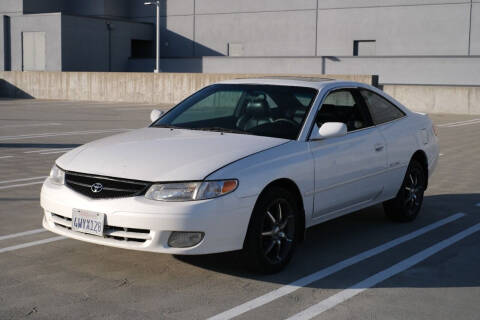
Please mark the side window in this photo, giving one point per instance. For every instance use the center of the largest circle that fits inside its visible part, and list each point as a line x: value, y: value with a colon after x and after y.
x: 217, y: 105
x: 343, y: 106
x: 380, y: 108
x: 340, y: 98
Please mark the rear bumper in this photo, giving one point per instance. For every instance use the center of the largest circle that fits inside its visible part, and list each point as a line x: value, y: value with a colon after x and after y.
x: 224, y: 220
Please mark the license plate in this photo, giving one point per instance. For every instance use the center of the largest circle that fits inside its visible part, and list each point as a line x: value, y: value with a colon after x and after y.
x: 87, y: 222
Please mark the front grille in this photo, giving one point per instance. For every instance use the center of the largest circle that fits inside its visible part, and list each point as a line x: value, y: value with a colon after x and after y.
x: 109, y: 232
x: 111, y: 187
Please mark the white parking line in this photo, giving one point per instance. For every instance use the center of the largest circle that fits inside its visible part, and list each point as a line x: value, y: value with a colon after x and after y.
x: 20, y: 185
x: 289, y: 288
x: 30, y: 125
x: 23, y: 179
x: 464, y: 124
x: 459, y: 123
x: 47, y: 150
x: 361, y: 286
x: 3, y: 187
x: 31, y: 244
x: 56, y: 134
x: 21, y: 234
x: 6, y: 157
x: 55, y: 152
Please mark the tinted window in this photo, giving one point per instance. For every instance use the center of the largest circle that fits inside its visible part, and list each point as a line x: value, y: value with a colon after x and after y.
x: 266, y: 110
x: 340, y: 98
x: 381, y: 110
x: 343, y: 106
x: 217, y: 105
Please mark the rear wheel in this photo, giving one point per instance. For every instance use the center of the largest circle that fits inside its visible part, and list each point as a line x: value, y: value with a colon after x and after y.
x: 408, y: 202
x: 272, y: 235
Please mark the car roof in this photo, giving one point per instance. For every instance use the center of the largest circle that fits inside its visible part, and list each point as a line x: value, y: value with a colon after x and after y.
x: 309, y: 82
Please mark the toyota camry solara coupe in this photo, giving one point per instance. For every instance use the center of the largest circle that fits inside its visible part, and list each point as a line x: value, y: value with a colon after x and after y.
x: 245, y: 165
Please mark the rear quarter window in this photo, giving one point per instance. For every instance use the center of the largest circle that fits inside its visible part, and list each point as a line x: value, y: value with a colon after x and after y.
x: 380, y: 108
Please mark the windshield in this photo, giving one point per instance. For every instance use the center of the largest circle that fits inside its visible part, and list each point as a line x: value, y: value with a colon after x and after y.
x: 265, y: 110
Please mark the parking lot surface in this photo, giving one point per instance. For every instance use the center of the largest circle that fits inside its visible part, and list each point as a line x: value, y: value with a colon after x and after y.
x: 361, y: 266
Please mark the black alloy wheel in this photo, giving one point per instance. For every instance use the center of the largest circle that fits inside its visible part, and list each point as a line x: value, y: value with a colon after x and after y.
x: 272, y: 235
x: 408, y: 202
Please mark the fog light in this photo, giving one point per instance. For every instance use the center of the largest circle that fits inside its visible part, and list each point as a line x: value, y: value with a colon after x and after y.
x: 184, y: 239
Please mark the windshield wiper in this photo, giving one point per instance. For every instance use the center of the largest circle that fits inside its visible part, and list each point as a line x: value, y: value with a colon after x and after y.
x: 221, y: 129
x: 168, y: 126
x: 215, y: 129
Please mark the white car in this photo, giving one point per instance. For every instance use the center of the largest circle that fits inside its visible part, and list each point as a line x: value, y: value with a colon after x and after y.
x: 245, y: 165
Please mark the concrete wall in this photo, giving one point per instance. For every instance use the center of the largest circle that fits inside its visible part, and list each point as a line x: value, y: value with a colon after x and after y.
x: 43, y: 6
x: 92, y: 44
x: 183, y: 65
x: 288, y: 33
x: 173, y: 87
x: 437, y: 99
x: 475, y: 34
x: 85, y: 44
x: 76, y: 43
x: 320, y: 27
x: 292, y: 28
x: 417, y: 41
x: 97, y: 8
x: 85, y: 7
x: 48, y: 23
x: 119, y: 8
x: 7, y: 8
x: 168, y: 8
x: 439, y: 70
x: 129, y: 87
x: 11, y: 6
x: 401, y: 30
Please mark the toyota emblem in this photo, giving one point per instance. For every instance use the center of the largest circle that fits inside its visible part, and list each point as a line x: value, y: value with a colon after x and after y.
x: 96, y: 187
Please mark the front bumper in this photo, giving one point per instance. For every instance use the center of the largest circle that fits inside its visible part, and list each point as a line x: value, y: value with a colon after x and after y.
x: 141, y: 224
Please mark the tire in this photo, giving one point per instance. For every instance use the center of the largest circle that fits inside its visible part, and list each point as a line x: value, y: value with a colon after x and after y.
x: 272, y: 234
x: 408, y: 202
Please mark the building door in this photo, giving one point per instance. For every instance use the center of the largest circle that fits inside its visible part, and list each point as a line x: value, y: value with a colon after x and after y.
x: 33, y: 51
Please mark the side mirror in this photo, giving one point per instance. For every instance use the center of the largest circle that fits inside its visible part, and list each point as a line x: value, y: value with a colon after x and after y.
x: 329, y: 130
x: 156, y: 114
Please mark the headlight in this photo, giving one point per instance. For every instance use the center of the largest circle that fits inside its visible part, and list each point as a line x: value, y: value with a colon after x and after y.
x: 187, y: 191
x: 57, y: 175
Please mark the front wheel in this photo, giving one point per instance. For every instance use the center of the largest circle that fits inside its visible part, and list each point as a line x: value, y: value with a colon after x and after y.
x: 406, y: 205
x: 272, y: 234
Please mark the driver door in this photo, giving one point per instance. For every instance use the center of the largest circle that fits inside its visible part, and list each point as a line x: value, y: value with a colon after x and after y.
x: 347, y: 168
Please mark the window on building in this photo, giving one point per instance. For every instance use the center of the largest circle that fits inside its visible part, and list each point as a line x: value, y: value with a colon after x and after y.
x: 364, y: 47
x: 381, y: 110
x: 33, y: 51
x: 142, y: 49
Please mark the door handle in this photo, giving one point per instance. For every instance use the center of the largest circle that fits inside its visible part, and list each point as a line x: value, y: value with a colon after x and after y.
x: 379, y: 147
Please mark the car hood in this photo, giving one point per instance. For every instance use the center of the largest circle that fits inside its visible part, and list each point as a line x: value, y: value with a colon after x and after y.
x: 161, y: 154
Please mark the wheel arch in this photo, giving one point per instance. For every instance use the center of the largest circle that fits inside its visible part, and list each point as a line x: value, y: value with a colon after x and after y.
x: 421, y: 157
x: 292, y: 187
